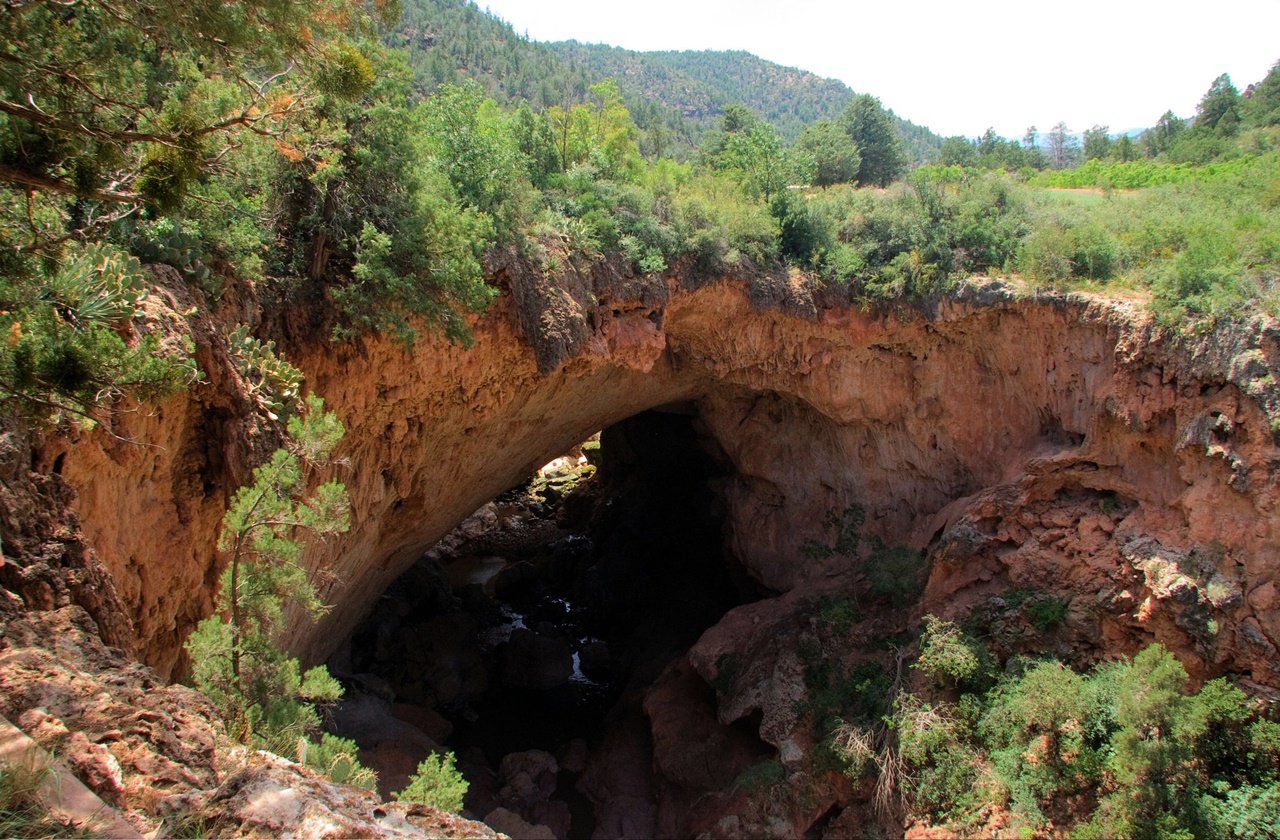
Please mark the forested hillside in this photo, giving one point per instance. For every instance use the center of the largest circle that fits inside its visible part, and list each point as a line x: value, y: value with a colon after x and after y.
x: 673, y: 97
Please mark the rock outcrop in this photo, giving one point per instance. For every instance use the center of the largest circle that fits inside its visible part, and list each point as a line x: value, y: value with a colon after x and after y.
x: 1020, y: 440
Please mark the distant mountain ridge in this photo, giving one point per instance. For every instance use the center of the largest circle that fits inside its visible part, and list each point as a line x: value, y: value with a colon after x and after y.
x: 674, y: 96
x: 699, y: 83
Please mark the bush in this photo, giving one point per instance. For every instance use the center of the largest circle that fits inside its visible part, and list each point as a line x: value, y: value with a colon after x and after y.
x: 336, y: 758
x: 1045, y: 255
x: 947, y: 654
x: 935, y: 743
x: 1046, y: 613
x: 761, y: 776
x: 437, y: 784
x: 894, y: 572
x: 1158, y: 761
x: 1094, y: 253
x: 805, y: 235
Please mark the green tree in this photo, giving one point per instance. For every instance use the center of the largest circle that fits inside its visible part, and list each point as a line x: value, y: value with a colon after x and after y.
x: 536, y: 141
x: 1153, y: 746
x: 469, y: 138
x: 1031, y: 148
x: 835, y: 157
x: 436, y: 783
x: 957, y: 151
x: 260, y: 690
x: 1262, y: 105
x: 128, y: 103
x: 616, y: 135
x: 949, y: 655
x: 1219, y: 109
x: 601, y: 133
x: 1124, y: 149
x: 1063, y: 147
x: 1160, y: 137
x: 760, y: 160
x: 1097, y: 143
x: 110, y: 113
x: 870, y: 127
x: 368, y: 210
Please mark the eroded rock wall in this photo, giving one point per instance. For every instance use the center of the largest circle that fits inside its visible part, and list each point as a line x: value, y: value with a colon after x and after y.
x: 1018, y: 440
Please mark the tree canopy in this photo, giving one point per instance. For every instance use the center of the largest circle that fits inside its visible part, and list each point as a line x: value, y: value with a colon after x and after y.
x: 868, y: 125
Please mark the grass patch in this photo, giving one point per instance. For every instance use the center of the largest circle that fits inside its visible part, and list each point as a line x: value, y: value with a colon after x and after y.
x: 22, y: 811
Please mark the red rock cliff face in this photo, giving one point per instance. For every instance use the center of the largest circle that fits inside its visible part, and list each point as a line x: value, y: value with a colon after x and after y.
x: 1019, y: 441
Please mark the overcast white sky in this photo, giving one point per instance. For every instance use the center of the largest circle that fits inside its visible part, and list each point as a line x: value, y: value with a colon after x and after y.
x: 958, y: 67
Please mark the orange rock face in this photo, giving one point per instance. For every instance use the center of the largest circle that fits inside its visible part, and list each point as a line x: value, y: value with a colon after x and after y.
x: 1051, y: 442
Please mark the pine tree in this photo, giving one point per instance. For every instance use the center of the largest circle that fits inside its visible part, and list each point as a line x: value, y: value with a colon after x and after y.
x: 260, y: 690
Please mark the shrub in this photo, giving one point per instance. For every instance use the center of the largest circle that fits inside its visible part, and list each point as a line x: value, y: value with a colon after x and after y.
x: 1094, y: 253
x: 437, y: 784
x: 1046, y: 613
x: 1045, y: 255
x: 934, y: 742
x: 947, y: 654
x: 1251, y: 812
x: 336, y: 758
x: 260, y: 690
x: 837, y: 612
x: 894, y: 572
x: 761, y: 776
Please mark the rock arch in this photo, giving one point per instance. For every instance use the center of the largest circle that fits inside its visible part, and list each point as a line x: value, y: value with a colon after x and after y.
x: 982, y: 427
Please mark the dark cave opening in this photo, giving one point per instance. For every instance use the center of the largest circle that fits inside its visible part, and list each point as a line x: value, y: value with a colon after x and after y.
x: 525, y: 641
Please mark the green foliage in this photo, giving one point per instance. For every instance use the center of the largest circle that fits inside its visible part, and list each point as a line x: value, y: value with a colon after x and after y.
x: 336, y: 758
x: 835, y: 157
x: 470, y: 140
x: 805, y: 234
x: 760, y: 777
x: 893, y: 572
x: 63, y: 324
x: 437, y: 783
x: 837, y: 612
x: 934, y: 741
x: 1262, y: 108
x: 750, y: 149
x: 870, y: 128
x: 260, y: 690
x: 1251, y: 812
x: 1137, y: 174
x: 913, y: 240
x: 130, y: 103
x: 1219, y: 110
x: 1157, y: 761
x: 948, y: 655
x: 1202, y: 280
x: 719, y: 228
x: 1042, y: 730
x: 1097, y: 143
x: 408, y: 253
x: 1046, y: 613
